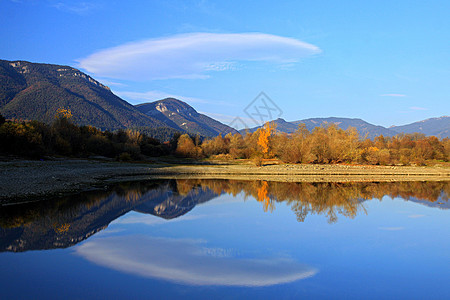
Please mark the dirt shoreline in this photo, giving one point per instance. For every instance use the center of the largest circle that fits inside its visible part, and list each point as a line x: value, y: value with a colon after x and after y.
x: 26, y: 180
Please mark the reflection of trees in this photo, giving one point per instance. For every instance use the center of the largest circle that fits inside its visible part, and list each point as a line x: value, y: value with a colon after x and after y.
x: 264, y: 197
x: 329, y: 199
x: 66, y: 221
x: 325, y: 198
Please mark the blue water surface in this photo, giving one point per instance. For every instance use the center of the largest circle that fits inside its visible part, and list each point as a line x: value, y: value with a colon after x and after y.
x: 193, y: 240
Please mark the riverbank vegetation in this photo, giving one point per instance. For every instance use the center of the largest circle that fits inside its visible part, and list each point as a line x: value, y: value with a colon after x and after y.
x: 62, y: 138
x: 324, y: 145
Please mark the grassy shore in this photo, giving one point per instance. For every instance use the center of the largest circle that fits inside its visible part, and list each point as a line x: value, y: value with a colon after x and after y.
x: 26, y: 179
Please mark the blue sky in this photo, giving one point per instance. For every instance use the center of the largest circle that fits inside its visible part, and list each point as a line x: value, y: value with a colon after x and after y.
x: 387, y: 62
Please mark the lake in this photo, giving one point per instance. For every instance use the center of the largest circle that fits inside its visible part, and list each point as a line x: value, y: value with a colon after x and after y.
x: 228, y: 239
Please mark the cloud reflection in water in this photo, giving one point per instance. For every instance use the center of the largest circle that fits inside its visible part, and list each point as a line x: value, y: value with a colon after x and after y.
x: 189, y: 262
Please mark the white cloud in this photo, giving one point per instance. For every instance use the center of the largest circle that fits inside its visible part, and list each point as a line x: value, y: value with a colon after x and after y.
x: 193, y: 55
x: 391, y: 228
x: 393, y: 95
x: 80, y: 8
x: 417, y: 108
x: 153, y: 220
x: 416, y: 216
x: 150, y: 96
x: 189, y: 262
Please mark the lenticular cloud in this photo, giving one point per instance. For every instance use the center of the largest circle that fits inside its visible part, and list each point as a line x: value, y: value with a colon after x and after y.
x: 193, y: 55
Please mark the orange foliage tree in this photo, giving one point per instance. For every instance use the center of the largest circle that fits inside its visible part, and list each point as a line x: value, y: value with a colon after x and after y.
x: 264, y: 135
x: 63, y: 113
x: 187, y: 148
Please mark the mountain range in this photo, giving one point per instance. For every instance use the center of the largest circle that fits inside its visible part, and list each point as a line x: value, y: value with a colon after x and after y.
x: 32, y: 91
x: 35, y: 91
x: 435, y: 126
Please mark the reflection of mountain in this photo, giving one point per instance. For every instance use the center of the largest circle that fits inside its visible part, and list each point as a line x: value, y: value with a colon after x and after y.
x: 170, y: 204
x: 441, y: 204
x: 65, y: 222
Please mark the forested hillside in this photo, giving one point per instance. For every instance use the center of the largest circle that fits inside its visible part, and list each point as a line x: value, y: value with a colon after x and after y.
x: 179, y: 114
x: 31, y: 91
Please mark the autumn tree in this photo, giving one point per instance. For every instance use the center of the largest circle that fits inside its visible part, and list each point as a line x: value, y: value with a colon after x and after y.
x: 187, y: 148
x: 67, y: 136
x: 251, y: 144
x: 216, y: 145
x: 264, y: 134
x: 320, y: 145
x: 236, y: 145
x: 446, y: 149
x: 63, y: 113
x: 295, y: 148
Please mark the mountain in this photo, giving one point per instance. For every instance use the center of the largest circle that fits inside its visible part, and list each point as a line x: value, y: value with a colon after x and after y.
x: 281, y: 126
x: 179, y: 114
x: 34, y: 91
x: 439, y: 127
x: 362, y: 126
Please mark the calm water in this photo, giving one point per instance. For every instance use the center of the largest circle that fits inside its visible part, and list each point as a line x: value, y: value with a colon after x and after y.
x: 210, y: 239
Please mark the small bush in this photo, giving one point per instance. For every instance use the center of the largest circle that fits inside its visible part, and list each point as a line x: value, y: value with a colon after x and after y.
x: 124, y: 156
x: 258, y: 161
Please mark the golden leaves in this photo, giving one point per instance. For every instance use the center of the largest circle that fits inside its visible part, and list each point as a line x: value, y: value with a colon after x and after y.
x: 264, y: 134
x: 63, y: 113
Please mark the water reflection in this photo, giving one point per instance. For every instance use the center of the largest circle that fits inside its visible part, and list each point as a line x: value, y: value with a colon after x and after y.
x: 189, y: 262
x: 331, y: 198
x: 65, y: 222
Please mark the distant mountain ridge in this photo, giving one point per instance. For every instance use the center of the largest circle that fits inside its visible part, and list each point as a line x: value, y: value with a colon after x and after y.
x: 434, y: 126
x: 439, y: 127
x: 364, y: 128
x: 179, y: 114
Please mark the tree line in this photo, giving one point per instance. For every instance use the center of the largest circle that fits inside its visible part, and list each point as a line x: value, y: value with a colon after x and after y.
x: 322, y: 145
x: 36, y: 139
